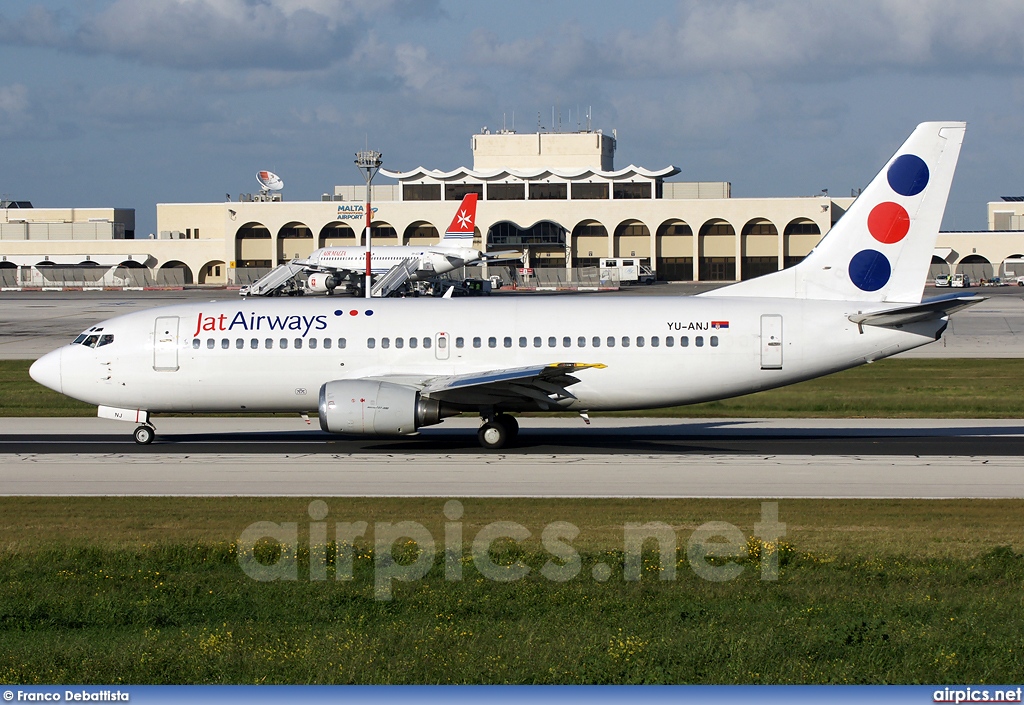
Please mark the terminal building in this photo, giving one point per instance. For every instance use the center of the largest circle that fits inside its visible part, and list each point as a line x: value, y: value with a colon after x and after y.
x: 555, y: 197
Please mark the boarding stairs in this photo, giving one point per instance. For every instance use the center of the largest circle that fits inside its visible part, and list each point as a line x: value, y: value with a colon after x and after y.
x: 395, y: 277
x: 274, y: 280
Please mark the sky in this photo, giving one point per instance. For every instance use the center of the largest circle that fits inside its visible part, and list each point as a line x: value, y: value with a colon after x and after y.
x: 129, y: 103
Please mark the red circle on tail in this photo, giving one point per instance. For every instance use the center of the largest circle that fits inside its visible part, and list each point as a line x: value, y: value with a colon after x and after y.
x: 888, y: 222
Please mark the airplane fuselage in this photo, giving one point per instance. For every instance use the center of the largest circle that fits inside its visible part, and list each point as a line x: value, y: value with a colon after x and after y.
x: 432, y: 260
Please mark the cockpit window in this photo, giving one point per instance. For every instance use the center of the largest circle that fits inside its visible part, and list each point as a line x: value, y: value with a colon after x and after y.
x: 79, y: 339
x: 91, y: 341
x: 105, y: 340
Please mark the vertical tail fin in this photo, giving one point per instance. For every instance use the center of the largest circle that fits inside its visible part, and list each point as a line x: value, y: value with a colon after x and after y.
x: 460, y: 232
x: 881, y: 248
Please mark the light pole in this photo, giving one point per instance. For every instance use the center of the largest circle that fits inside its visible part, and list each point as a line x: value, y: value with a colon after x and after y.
x: 369, y: 163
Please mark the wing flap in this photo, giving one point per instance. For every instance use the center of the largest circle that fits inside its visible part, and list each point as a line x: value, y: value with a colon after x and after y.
x: 543, y: 386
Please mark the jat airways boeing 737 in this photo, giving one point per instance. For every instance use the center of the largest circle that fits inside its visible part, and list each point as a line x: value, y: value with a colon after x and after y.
x: 391, y: 366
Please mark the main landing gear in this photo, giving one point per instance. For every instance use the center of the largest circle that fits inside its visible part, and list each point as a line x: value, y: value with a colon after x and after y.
x: 145, y: 434
x: 498, y: 431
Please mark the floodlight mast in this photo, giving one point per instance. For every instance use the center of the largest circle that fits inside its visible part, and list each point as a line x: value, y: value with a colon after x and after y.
x: 369, y: 163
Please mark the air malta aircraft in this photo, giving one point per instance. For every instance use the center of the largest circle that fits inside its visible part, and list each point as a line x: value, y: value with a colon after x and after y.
x: 387, y: 367
x: 330, y: 267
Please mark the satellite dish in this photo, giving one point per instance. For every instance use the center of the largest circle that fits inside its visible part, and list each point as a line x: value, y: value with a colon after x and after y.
x: 269, y: 181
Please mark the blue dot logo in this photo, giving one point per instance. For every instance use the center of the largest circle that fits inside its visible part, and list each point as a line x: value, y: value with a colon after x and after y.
x: 870, y: 270
x: 908, y: 175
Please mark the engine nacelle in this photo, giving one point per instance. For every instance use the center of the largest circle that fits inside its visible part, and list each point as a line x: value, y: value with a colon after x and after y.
x: 376, y: 408
x: 321, y: 282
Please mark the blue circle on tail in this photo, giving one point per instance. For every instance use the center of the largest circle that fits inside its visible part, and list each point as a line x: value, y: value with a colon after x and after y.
x: 870, y: 270
x: 908, y: 175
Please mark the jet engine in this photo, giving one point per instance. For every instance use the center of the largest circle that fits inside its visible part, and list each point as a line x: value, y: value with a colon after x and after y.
x: 321, y: 282
x: 376, y: 408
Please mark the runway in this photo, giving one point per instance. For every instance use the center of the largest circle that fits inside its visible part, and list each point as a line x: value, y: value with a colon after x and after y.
x: 554, y: 457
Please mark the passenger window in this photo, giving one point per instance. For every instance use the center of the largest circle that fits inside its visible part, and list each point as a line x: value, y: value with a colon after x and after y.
x: 385, y: 343
x: 508, y: 342
x: 714, y: 341
x: 522, y: 341
x: 670, y: 341
x: 581, y: 341
x: 414, y: 342
x: 105, y: 340
x: 327, y: 343
x: 269, y: 343
x: 611, y: 341
x: 441, y: 343
x: 298, y: 343
x: 537, y: 342
x: 552, y: 342
x: 655, y: 341
x: 239, y: 344
x: 566, y: 342
x: 210, y: 342
x: 195, y: 344
x: 370, y: 343
x: 343, y: 343
x: 596, y: 342
x: 254, y: 343
x: 283, y: 343
x: 684, y: 341
x: 492, y: 342
x: 459, y: 342
x: 640, y: 342
x: 625, y: 341
x: 312, y: 343
x: 399, y: 342
x: 699, y: 341
x: 476, y: 342
x: 225, y: 343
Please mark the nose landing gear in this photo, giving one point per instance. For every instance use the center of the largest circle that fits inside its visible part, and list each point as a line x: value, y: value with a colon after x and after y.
x: 144, y: 434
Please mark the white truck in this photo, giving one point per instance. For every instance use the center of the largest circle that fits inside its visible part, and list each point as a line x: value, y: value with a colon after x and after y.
x: 628, y: 270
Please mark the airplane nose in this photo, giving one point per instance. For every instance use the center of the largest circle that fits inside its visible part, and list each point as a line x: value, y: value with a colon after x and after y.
x: 46, y: 370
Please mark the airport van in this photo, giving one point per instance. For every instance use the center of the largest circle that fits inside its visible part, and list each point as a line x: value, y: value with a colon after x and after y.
x: 960, y: 281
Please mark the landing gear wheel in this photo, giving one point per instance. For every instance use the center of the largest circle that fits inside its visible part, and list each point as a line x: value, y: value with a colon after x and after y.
x: 493, y: 435
x: 144, y: 435
x: 510, y: 424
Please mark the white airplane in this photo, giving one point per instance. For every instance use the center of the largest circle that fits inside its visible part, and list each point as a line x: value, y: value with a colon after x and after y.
x: 330, y: 267
x: 388, y: 367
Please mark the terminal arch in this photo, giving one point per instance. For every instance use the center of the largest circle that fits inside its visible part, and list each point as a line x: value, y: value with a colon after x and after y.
x: 589, y: 243
x: 1013, y: 266
x: 674, y: 251
x: 254, y: 246
x: 759, y: 248
x: 717, y: 248
x: 421, y: 234
x: 632, y: 239
x: 337, y: 235
x: 800, y: 237
x: 384, y: 233
x: 976, y: 267
x: 938, y: 267
x: 174, y: 273
x: 213, y: 272
x: 294, y: 240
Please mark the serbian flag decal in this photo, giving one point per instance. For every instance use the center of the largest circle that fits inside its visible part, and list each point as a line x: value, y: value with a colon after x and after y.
x: 718, y: 325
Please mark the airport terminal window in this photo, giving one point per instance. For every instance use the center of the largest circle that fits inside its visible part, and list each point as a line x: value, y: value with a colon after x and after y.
x: 552, y: 342
x: 714, y: 341
x: 655, y: 341
x: 625, y: 341
x: 443, y: 342
x: 239, y: 344
x: 537, y: 341
x: 596, y: 342
x: 492, y: 342
x: 421, y: 192
x: 684, y: 341
x: 342, y: 343
x: 210, y: 342
x: 385, y: 343
x: 544, y: 192
x: 522, y: 341
x: 506, y: 192
x: 195, y: 343
x: 283, y: 344
x: 225, y: 343
x: 312, y: 343
x: 611, y: 341
x: 268, y: 343
x: 640, y: 341
x: 699, y: 341
x: 254, y: 343
x: 508, y: 342
x: 460, y: 342
x: 371, y: 343
x: 399, y: 342
x: 414, y: 342
x: 582, y: 342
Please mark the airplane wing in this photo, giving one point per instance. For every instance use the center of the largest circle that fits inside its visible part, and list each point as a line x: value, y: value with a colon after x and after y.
x: 927, y: 310
x: 542, y: 386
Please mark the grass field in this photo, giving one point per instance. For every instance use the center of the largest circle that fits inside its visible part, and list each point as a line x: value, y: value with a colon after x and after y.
x: 148, y: 590
x: 946, y: 388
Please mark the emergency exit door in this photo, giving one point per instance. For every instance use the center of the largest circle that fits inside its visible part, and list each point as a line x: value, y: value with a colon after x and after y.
x: 441, y: 341
x: 165, y: 344
x: 771, y: 342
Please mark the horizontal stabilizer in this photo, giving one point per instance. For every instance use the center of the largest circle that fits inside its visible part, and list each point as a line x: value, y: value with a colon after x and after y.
x: 928, y: 310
